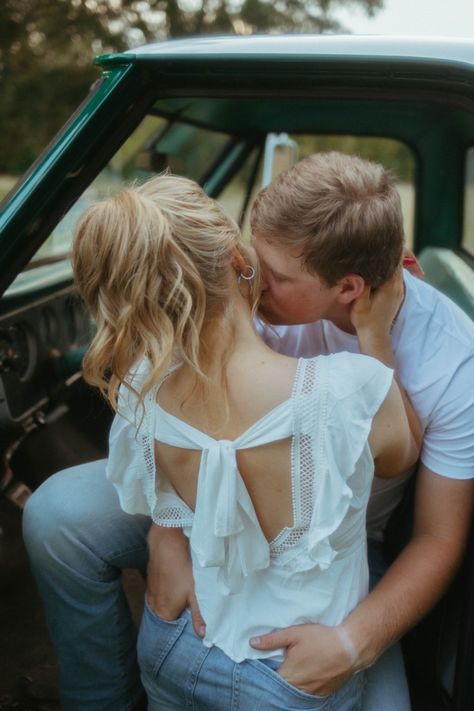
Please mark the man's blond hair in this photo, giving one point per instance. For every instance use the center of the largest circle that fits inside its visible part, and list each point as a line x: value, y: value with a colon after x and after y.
x: 342, y: 212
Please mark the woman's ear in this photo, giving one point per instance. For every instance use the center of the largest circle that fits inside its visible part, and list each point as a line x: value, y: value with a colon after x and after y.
x: 350, y: 288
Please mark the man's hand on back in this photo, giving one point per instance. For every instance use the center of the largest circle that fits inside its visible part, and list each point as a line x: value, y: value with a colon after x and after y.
x: 170, y: 582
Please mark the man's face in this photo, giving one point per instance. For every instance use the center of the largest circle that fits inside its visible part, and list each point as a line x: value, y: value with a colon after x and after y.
x: 291, y: 295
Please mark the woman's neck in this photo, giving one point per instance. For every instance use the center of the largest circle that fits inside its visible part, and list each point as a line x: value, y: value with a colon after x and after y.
x: 232, y: 354
x: 233, y: 331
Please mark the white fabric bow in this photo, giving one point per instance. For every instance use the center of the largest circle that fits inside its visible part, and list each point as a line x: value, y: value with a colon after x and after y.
x: 225, y: 531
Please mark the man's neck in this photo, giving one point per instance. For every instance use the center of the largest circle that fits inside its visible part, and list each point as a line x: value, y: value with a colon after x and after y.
x: 343, y: 322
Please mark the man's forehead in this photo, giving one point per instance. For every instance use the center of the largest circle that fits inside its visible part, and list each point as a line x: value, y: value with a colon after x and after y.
x: 273, y: 250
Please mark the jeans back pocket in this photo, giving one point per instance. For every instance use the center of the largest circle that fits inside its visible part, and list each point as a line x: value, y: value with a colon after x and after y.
x: 156, y: 639
x: 284, y: 695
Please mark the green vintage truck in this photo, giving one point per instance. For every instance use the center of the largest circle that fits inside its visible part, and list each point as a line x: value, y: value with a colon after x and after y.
x: 229, y: 112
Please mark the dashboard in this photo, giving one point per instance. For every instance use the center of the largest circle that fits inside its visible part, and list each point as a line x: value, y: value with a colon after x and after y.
x: 41, y: 348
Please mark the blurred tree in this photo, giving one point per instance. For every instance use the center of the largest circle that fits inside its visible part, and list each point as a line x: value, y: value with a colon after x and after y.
x: 46, y: 47
x: 298, y: 15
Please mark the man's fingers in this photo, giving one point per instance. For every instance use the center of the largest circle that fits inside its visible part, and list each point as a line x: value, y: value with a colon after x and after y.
x: 272, y: 640
x: 196, y: 617
x: 366, y: 295
x: 362, y: 303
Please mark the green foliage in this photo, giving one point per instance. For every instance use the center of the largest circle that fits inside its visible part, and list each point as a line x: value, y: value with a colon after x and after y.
x: 46, y: 48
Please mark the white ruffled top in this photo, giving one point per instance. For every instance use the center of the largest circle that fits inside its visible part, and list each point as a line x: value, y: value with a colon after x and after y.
x: 314, y: 571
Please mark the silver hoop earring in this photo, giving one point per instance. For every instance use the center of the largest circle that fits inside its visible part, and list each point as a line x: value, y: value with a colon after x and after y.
x: 250, y: 276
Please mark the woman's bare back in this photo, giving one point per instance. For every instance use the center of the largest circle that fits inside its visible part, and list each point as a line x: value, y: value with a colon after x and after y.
x: 257, y: 383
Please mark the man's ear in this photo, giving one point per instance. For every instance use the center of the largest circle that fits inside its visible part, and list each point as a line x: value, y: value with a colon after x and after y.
x: 350, y: 288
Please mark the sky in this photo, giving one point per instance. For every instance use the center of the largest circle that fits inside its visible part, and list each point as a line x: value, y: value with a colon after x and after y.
x: 413, y: 17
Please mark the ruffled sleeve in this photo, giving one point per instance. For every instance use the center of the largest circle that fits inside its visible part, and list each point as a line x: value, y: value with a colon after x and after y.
x: 125, y: 466
x: 353, y: 388
x: 357, y: 387
x: 131, y: 463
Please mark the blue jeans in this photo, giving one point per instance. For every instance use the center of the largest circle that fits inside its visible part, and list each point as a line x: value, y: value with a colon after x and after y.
x: 179, y: 672
x: 386, y: 686
x: 79, y: 540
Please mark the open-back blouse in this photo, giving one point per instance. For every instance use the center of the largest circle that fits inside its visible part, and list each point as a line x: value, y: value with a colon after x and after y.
x: 315, y: 570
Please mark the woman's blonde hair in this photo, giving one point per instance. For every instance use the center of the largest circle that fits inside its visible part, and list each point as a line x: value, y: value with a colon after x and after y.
x: 152, y: 264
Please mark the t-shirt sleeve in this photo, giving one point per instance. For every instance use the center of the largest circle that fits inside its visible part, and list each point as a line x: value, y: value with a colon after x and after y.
x: 299, y: 341
x: 448, y: 443
x: 281, y: 339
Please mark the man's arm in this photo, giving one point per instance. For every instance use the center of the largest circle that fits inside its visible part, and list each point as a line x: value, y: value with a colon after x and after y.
x: 318, y: 660
x: 419, y: 576
x: 443, y: 506
x: 373, y: 315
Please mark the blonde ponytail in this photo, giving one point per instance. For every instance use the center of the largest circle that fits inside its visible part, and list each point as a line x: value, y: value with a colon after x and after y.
x: 152, y: 263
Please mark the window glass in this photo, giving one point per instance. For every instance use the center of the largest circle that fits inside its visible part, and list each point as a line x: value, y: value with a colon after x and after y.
x: 125, y: 166
x: 189, y: 150
x: 246, y: 231
x: 154, y: 146
x: 234, y: 195
x: 468, y: 228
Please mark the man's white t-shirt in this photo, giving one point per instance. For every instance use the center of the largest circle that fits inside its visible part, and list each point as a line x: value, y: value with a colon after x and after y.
x: 433, y: 343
